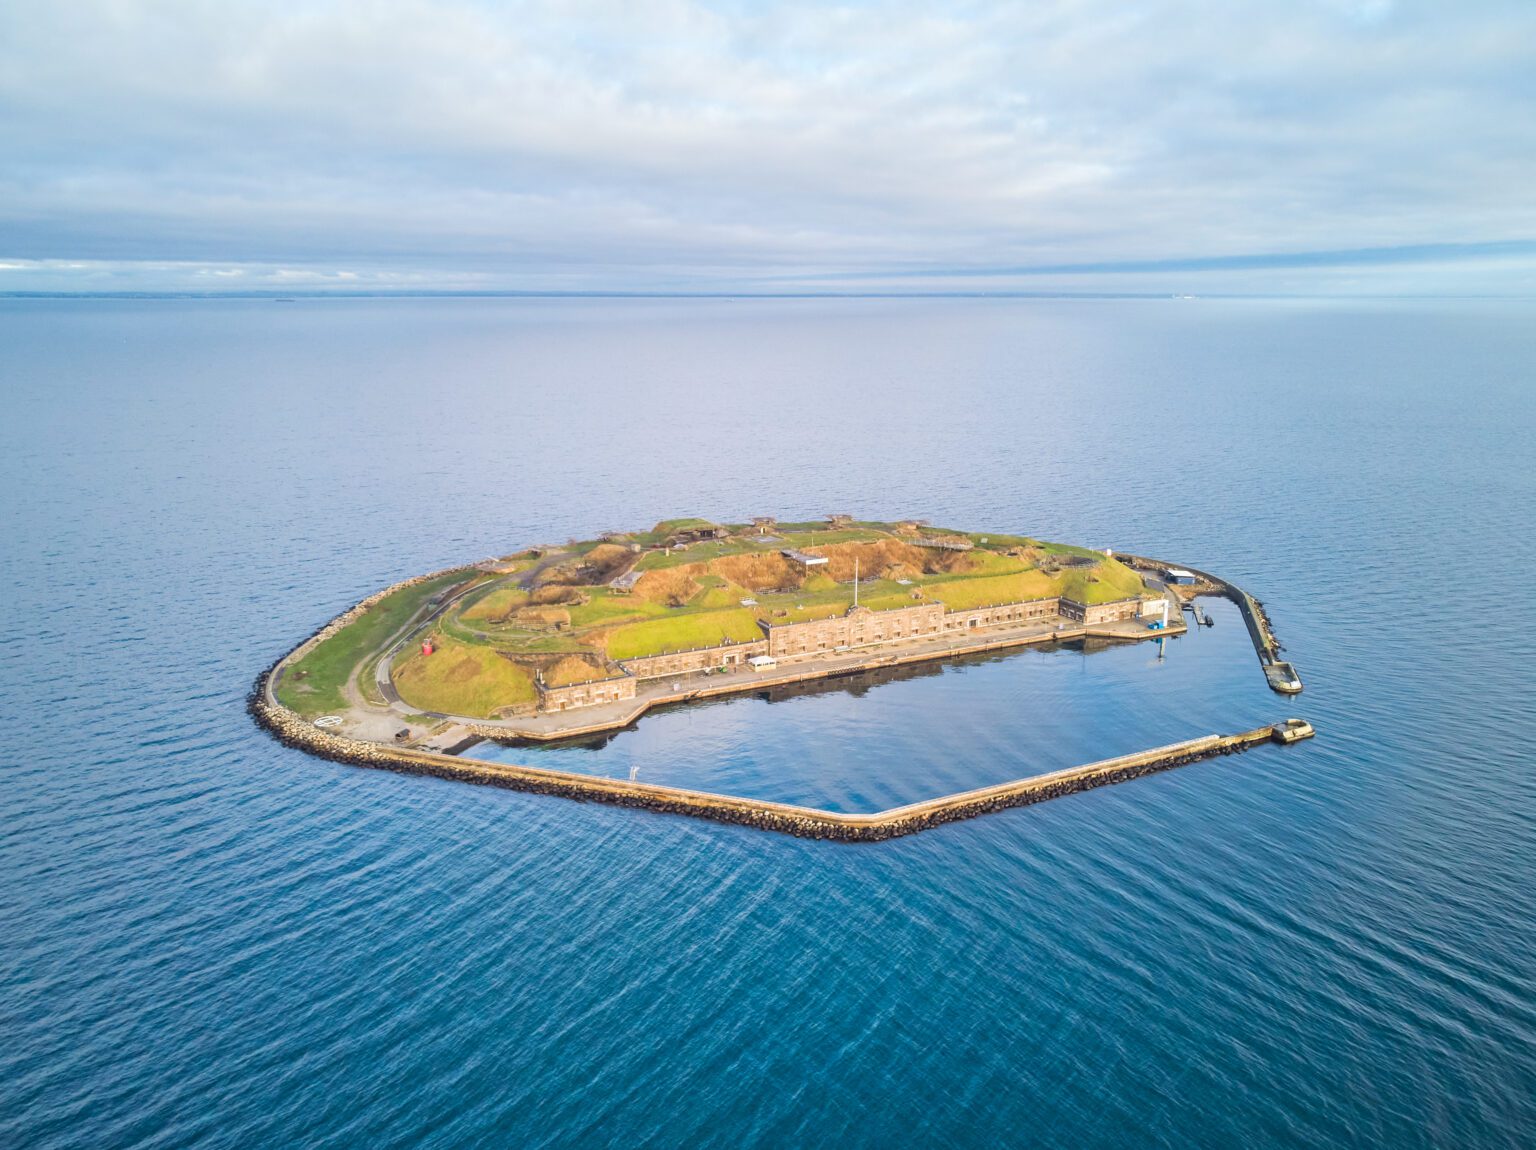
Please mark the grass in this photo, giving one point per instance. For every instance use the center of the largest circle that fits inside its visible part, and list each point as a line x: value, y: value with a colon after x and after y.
x: 806, y: 604
x: 573, y: 669
x: 496, y: 604
x: 682, y: 632
x: 997, y: 542
x: 605, y: 607
x: 715, y: 598
x: 1114, y: 581
x: 461, y: 679
x: 991, y: 590
x: 313, y: 685
x: 695, y: 553
x: 824, y: 537
x: 633, y: 626
x: 1068, y: 549
x: 990, y: 563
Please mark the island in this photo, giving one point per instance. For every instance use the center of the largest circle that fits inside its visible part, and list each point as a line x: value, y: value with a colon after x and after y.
x: 560, y: 641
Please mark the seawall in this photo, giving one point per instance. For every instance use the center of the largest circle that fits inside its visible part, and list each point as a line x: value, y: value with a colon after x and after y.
x: 1265, y: 645
x: 806, y: 822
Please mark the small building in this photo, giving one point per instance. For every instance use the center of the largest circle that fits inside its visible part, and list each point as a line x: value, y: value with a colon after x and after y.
x: 1181, y: 577
x: 804, y: 558
x: 625, y: 583
x: 944, y: 544
x: 700, y: 533
x: 762, y: 662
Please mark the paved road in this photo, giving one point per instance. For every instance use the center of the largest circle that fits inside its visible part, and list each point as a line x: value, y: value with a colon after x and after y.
x: 396, y: 642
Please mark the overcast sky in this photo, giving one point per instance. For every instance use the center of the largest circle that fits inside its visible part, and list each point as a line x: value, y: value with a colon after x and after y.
x: 1294, y: 146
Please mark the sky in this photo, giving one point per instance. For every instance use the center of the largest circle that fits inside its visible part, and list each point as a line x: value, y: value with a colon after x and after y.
x: 1309, y: 147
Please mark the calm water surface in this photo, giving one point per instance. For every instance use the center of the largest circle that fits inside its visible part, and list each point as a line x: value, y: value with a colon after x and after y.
x: 210, y: 940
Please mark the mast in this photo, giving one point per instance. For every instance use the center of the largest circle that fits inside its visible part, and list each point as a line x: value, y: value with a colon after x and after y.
x: 855, y: 580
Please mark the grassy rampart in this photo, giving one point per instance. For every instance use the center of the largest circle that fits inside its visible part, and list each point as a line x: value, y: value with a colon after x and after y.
x: 313, y: 684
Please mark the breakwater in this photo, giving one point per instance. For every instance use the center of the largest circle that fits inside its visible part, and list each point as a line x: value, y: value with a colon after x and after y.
x: 1281, y: 675
x: 806, y: 822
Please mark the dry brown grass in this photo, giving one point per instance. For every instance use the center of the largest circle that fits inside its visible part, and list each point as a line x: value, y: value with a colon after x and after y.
x: 541, y: 616
x: 553, y: 594
x: 573, y: 669
x: 886, y: 556
x: 674, y: 585
x: 609, y: 556
x: 759, y: 572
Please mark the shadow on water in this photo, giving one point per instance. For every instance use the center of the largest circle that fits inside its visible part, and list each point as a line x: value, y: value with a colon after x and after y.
x: 879, y: 737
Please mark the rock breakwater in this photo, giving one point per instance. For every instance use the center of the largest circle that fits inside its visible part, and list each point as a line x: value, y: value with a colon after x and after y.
x: 293, y: 730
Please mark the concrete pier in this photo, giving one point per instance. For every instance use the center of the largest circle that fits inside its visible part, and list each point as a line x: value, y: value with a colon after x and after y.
x: 1281, y: 676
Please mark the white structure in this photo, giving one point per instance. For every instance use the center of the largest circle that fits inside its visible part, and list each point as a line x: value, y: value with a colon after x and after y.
x: 804, y: 558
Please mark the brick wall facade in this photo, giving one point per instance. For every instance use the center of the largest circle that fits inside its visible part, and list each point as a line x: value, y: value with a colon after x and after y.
x: 685, y: 662
x: 1005, y: 613
x: 1100, y: 612
x: 586, y: 694
x: 859, y: 627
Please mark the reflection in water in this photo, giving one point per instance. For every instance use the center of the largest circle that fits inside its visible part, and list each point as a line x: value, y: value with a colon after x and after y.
x: 883, y: 736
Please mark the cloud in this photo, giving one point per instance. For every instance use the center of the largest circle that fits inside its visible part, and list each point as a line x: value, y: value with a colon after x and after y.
x: 668, y: 144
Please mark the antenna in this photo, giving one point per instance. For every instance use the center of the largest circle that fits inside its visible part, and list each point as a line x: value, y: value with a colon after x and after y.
x: 855, y: 580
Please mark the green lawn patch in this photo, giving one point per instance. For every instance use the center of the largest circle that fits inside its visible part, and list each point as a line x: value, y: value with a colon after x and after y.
x: 605, y: 607
x: 483, y: 607
x: 682, y: 632
x: 991, y: 590
x: 312, y: 686
x: 1112, y: 580
x: 460, y: 679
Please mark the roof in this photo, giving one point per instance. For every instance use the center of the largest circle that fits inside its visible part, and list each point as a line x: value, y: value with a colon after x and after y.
x: 944, y: 544
x: 1180, y: 573
x: 803, y: 557
x: 626, y: 581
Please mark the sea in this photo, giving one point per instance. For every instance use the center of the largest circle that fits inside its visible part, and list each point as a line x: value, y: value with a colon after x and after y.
x: 210, y: 940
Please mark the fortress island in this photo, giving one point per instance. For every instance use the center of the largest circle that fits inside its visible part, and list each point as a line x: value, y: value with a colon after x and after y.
x: 554, y: 642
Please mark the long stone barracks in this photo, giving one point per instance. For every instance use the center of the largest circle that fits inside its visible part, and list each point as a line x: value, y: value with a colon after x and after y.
x: 857, y: 629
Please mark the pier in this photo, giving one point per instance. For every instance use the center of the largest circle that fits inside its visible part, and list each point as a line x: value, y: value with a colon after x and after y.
x: 1281, y: 675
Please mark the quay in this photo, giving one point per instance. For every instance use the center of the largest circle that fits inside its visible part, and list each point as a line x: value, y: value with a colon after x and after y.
x: 1281, y: 675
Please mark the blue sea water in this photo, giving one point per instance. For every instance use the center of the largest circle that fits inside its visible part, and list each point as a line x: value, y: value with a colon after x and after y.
x: 207, y: 939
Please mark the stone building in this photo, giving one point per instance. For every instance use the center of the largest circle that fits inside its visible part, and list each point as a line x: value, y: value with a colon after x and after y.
x: 1100, y: 612
x: 588, y: 694
x: 1027, y: 611
x: 857, y: 627
x: 727, y: 656
x: 853, y: 629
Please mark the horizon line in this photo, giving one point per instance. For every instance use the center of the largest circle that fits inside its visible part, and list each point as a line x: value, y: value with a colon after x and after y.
x: 601, y: 293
